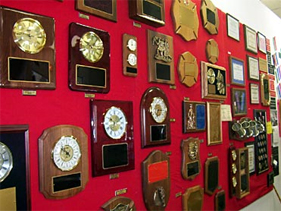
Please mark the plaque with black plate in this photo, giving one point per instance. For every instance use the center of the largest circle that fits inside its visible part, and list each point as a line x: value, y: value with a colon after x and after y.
x: 112, y: 136
x: 89, y: 59
x: 160, y: 58
x: 151, y: 12
x: 191, y: 164
x: 27, y: 50
x: 194, y: 116
x: 261, y: 145
x: 210, y: 18
x: 220, y: 201
x: 14, y: 168
x: 211, y: 175
x: 156, y: 180
x: 119, y: 203
x: 155, y: 118
x: 63, y: 161
x: 130, y: 55
x: 193, y: 198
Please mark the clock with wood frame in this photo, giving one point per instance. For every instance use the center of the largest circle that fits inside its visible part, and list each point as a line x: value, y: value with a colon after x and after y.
x: 112, y: 136
x: 155, y: 118
x: 27, y: 50
x: 89, y: 59
x: 130, y: 55
x: 63, y: 161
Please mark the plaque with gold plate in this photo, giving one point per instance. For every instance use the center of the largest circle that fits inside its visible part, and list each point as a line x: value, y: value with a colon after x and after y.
x: 160, y: 58
x: 63, y: 161
x: 119, y: 203
x: 193, y: 198
x: 112, y: 136
x: 155, y: 118
x: 130, y: 55
x: 89, y: 60
x: 156, y: 180
x: 14, y: 168
x: 151, y: 12
x: 27, y: 50
x: 185, y: 17
x: 212, y: 51
x: 191, y: 164
x: 210, y: 18
x: 211, y: 175
x: 213, y: 81
x: 264, y: 89
x: 188, y: 69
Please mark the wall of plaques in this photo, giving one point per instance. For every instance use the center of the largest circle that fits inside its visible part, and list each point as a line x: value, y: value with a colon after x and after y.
x: 93, y: 68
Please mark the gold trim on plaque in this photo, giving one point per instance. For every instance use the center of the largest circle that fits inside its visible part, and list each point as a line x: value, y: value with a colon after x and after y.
x: 214, y: 123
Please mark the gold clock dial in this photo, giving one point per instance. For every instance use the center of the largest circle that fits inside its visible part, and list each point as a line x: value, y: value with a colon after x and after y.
x: 91, y: 47
x: 29, y: 35
x: 158, y: 109
x: 211, y: 76
x: 6, y: 161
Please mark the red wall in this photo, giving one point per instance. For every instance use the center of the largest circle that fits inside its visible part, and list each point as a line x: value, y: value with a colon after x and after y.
x: 63, y: 106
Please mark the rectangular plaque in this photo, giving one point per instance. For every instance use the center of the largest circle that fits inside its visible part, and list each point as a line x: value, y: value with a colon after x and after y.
x: 263, y: 65
x: 214, y: 123
x: 233, y: 27
x: 243, y: 180
x: 115, y: 155
x: 211, y: 175
x: 239, y: 102
x: 163, y: 72
x: 90, y: 76
x: 251, y: 157
x: 192, y: 168
x: 250, y: 39
x: 262, y: 42
x: 66, y: 182
x: 237, y: 71
x: 253, y: 68
x: 157, y: 171
x: 158, y: 133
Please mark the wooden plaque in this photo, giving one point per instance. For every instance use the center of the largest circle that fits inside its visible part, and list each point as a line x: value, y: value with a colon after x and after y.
x: 212, y: 51
x: 89, y: 71
x: 112, y: 136
x: 210, y: 18
x: 56, y: 183
x: 264, y: 89
x: 220, y: 201
x: 211, y: 175
x: 22, y: 63
x: 232, y: 171
x: 193, y: 198
x: 214, y: 123
x: 119, y: 203
x: 156, y: 180
x: 130, y: 55
x: 160, y: 59
x: 191, y: 164
x: 155, y: 106
x: 151, y: 12
x: 188, y: 69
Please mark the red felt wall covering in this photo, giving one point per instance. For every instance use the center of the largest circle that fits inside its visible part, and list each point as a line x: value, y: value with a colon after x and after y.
x: 63, y: 106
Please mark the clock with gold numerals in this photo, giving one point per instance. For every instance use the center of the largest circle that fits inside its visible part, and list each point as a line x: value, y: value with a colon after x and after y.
x: 130, y: 59
x: 155, y: 118
x: 28, y: 54
x: 63, y: 161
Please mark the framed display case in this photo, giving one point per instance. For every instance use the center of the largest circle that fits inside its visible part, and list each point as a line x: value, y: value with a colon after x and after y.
x: 214, y: 124
x: 262, y: 42
x: 264, y: 89
x: 253, y: 68
x: 250, y: 39
x: 237, y: 71
x: 233, y: 27
x: 251, y: 156
x: 239, y: 101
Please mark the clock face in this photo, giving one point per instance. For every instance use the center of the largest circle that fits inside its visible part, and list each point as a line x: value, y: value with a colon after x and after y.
x: 6, y: 161
x: 115, y: 123
x: 132, y: 44
x: 29, y: 35
x: 91, y: 46
x: 132, y: 59
x: 158, y: 109
x: 66, y: 153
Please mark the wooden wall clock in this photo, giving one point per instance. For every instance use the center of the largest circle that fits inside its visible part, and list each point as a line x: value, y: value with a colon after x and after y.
x: 156, y: 180
x: 155, y: 118
x: 89, y: 60
x: 188, y: 69
x: 151, y: 12
x: 160, y: 59
x: 27, y: 50
x: 186, y: 22
x: 63, y: 161
x: 191, y: 164
x: 14, y: 168
x: 112, y: 136
x: 210, y: 18
x: 130, y: 55
x: 193, y: 198
x: 119, y: 203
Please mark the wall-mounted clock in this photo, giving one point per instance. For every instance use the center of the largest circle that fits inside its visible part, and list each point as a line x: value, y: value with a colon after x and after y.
x: 89, y: 59
x: 160, y: 58
x: 112, y: 136
x: 210, y: 18
x: 27, y: 50
x: 6, y: 161
x: 63, y: 161
x: 155, y: 118
x: 130, y: 55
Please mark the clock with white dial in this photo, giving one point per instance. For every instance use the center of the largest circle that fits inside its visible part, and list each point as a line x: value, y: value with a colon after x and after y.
x: 115, y: 122
x: 66, y: 153
x: 132, y: 44
x: 132, y: 59
x: 158, y: 109
x: 6, y: 161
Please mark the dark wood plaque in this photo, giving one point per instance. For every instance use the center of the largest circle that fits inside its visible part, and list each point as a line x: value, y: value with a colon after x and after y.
x: 193, y: 198
x: 54, y: 182
x: 156, y: 180
x: 232, y: 171
x: 24, y: 65
x: 220, y: 201
x: 151, y: 12
x: 211, y: 175
x: 155, y: 133
x: 191, y: 164
x: 16, y: 139
x: 89, y: 71
x: 112, y: 136
x: 130, y: 55
x: 160, y: 58
x: 105, y: 8
x: 119, y: 203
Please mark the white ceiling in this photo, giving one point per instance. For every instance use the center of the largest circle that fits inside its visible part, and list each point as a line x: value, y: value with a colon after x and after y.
x: 274, y: 6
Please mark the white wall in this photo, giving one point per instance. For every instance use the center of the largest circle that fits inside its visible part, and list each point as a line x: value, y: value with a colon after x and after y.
x: 257, y: 16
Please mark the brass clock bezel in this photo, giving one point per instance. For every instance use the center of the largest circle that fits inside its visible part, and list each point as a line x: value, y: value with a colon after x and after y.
x: 6, y: 149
